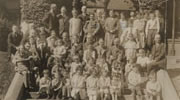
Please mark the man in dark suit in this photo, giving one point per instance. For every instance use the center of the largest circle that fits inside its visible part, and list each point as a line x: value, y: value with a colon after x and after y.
x: 63, y: 21
x: 14, y: 40
x: 51, y: 19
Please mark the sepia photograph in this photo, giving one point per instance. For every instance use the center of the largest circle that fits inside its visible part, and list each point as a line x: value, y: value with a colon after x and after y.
x: 89, y: 50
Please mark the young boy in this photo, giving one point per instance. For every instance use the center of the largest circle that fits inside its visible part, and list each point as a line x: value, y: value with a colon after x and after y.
x: 104, y: 85
x: 92, y: 85
x: 134, y: 82
x: 153, y: 87
x: 66, y: 89
x: 45, y: 84
x: 57, y: 85
x: 115, y: 87
x: 152, y: 28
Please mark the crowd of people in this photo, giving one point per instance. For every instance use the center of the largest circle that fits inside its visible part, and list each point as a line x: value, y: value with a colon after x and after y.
x: 91, y: 55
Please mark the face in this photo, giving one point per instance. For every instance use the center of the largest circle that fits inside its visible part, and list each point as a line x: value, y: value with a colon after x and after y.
x: 53, y: 34
x: 152, y: 16
x: 142, y: 53
x: 63, y: 10
x: 84, y: 9
x: 15, y: 29
x: 111, y: 13
x: 91, y: 17
x: 74, y: 13
x: 27, y: 46
x: 46, y: 75
x: 157, y: 39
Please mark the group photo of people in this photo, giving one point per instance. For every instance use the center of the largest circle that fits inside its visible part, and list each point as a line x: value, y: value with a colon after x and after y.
x: 91, y: 55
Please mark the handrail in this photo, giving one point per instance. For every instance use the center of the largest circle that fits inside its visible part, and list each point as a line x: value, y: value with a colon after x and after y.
x: 15, y: 91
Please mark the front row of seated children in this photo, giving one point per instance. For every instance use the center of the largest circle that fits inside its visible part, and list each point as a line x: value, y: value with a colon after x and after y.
x: 104, y: 87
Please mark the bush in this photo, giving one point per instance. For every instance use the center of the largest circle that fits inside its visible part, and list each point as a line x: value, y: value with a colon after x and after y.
x: 34, y: 10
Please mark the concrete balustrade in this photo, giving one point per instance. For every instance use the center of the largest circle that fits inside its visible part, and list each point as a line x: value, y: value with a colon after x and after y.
x: 16, y: 89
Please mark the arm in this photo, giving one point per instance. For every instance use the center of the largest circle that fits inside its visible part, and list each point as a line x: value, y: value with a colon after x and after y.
x: 158, y: 25
x: 147, y: 28
x: 10, y: 42
x: 70, y: 28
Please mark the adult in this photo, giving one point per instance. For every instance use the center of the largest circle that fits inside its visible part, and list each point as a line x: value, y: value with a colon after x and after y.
x: 63, y: 21
x: 158, y: 53
x: 92, y: 27
x: 51, y: 19
x: 14, y: 40
x: 111, y: 27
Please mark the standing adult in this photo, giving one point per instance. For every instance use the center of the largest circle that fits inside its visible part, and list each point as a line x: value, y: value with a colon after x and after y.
x: 111, y: 26
x: 75, y: 26
x: 14, y: 40
x: 63, y: 21
x: 92, y: 27
x: 51, y: 19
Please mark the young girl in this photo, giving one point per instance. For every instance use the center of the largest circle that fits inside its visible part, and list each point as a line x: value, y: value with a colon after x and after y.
x: 130, y: 47
x: 115, y: 87
x: 153, y: 87
x: 45, y: 84
x: 104, y: 85
x: 74, y: 65
x: 92, y: 85
x: 129, y: 67
x: 134, y: 82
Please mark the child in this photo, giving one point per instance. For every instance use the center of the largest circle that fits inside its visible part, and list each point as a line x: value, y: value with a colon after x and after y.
x: 153, y: 87
x: 129, y: 67
x: 74, y: 65
x: 51, y: 40
x: 78, y: 83
x: 104, y: 85
x: 45, y: 84
x: 60, y: 50
x: 89, y: 53
x: 143, y: 60
x: 56, y: 85
x: 134, y: 82
x: 152, y: 28
x: 130, y: 47
x: 55, y: 69
x: 66, y: 90
x: 115, y: 87
x: 92, y: 85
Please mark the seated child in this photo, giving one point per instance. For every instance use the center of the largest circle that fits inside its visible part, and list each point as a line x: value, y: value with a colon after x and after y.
x: 134, y: 82
x: 74, y: 65
x: 45, y: 84
x: 143, y: 60
x: 78, y: 83
x: 57, y: 85
x: 66, y: 90
x: 92, y: 85
x: 115, y: 87
x: 129, y: 67
x: 153, y: 87
x: 60, y: 49
x: 104, y: 85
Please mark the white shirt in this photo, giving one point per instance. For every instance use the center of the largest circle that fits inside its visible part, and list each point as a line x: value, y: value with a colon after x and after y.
x: 143, y: 61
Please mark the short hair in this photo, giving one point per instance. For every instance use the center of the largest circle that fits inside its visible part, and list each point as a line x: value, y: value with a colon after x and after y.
x: 45, y: 71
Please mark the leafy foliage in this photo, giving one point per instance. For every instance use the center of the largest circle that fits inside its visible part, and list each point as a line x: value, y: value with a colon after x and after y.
x: 34, y: 10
